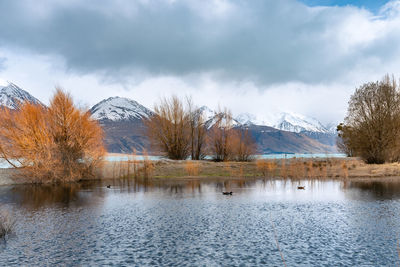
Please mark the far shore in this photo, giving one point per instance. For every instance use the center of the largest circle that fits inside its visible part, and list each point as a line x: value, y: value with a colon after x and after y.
x: 295, y: 169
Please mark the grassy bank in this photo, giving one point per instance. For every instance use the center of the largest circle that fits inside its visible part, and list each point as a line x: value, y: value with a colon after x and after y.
x: 335, y: 168
x: 301, y: 168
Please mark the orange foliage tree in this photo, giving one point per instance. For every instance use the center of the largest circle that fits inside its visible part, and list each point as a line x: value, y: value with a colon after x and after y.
x: 54, y: 144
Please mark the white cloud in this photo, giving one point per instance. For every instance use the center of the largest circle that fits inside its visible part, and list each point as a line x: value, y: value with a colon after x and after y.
x: 254, y: 56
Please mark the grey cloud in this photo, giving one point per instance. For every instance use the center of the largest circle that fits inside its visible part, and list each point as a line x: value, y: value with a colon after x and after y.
x: 265, y: 41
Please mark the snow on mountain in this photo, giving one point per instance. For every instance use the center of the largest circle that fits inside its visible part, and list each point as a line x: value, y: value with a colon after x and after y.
x: 211, y: 117
x: 298, y: 123
x: 119, y: 108
x: 206, y: 112
x: 290, y: 122
x: 11, y: 96
x: 332, y: 127
x: 246, y: 119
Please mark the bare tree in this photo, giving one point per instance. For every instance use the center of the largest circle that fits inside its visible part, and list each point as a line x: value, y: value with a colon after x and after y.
x: 220, y: 136
x: 169, y: 129
x: 243, y: 145
x: 197, y: 130
x: 372, y: 127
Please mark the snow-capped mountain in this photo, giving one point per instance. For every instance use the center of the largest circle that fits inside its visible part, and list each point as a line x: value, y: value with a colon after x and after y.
x: 247, y: 119
x: 290, y: 122
x: 298, y: 123
x: 119, y: 109
x: 332, y: 127
x: 211, y: 117
x: 206, y: 112
x: 11, y: 96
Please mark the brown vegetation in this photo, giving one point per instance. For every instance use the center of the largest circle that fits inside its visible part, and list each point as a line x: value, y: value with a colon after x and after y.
x: 228, y: 143
x: 296, y: 169
x: 169, y: 128
x: 197, y: 130
x: 372, y: 127
x: 59, y: 143
x: 179, y: 131
x: 192, y: 168
x: 130, y: 168
x: 220, y: 137
x: 6, y: 224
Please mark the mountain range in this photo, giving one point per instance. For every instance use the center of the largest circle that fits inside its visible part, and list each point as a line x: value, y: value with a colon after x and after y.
x: 123, y: 121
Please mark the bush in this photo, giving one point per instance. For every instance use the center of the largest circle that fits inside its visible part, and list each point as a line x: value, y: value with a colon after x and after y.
x: 229, y: 143
x: 372, y: 127
x: 168, y: 128
x: 59, y: 143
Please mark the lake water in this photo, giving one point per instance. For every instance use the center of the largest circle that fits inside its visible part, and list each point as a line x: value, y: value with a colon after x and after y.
x: 189, y: 222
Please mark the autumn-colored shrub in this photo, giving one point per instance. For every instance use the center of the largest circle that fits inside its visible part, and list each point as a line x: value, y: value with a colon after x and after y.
x: 227, y: 143
x: 345, y: 169
x: 266, y: 167
x: 148, y: 166
x: 192, y: 168
x: 54, y: 144
x: 169, y: 128
x: 371, y: 129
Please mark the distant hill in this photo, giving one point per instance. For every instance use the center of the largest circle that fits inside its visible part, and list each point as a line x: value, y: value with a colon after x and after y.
x: 123, y: 122
x: 296, y: 123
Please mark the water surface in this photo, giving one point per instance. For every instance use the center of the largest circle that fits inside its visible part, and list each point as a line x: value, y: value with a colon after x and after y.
x: 191, y: 223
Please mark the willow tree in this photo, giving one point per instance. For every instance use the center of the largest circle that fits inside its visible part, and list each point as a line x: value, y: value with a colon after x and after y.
x: 58, y: 143
x: 169, y: 129
x: 243, y: 146
x: 372, y: 127
x: 221, y: 135
x: 197, y: 130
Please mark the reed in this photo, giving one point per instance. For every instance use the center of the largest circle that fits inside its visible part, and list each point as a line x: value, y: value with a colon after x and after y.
x: 310, y: 169
x: 148, y: 167
x: 240, y: 172
x: 262, y: 166
x: 6, y: 224
x: 192, y: 168
x: 135, y: 165
x: 283, y: 170
x: 228, y: 169
x: 345, y: 170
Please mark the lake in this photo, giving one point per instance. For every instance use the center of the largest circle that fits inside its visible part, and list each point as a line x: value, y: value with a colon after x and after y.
x: 190, y: 222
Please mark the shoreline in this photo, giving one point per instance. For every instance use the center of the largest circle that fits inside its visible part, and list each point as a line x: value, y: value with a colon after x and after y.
x: 346, y: 169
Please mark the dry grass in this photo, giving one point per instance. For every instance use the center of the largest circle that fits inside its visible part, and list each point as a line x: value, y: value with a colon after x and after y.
x: 6, y: 224
x: 192, y: 168
x: 300, y: 168
x: 266, y: 167
x: 132, y: 167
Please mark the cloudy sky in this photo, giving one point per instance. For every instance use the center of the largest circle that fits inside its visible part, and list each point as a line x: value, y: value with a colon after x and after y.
x: 258, y: 56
